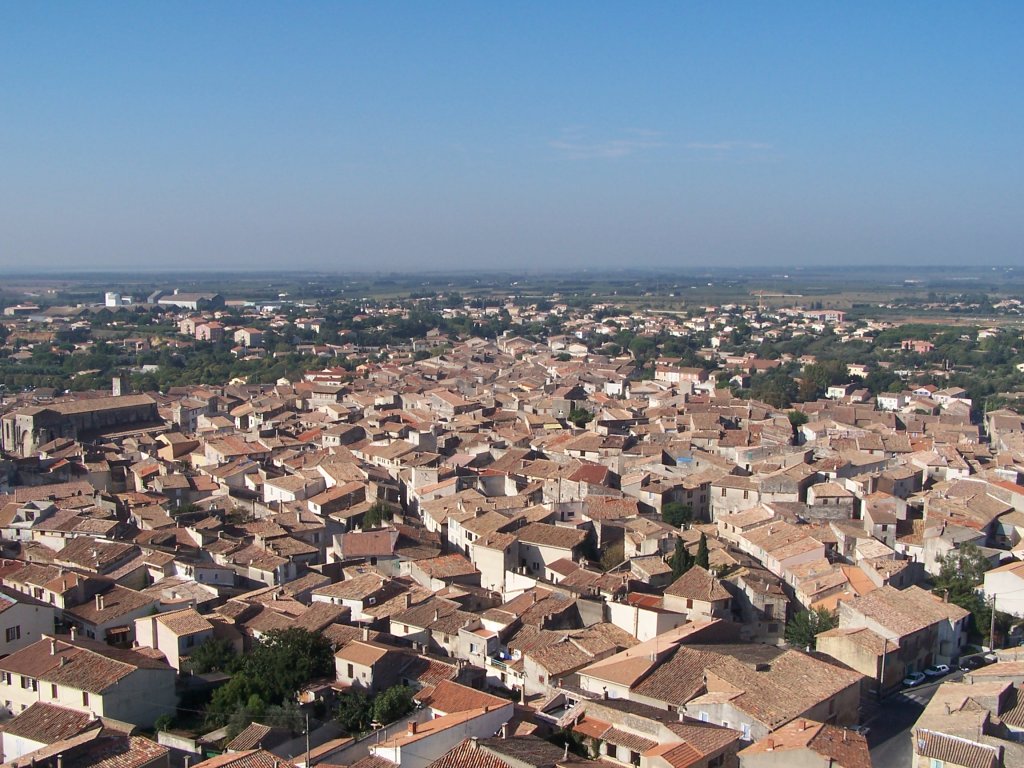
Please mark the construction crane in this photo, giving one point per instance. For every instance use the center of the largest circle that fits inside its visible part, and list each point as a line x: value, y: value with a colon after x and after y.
x: 761, y: 295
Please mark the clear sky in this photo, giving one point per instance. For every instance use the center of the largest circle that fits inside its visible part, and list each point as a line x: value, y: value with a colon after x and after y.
x: 442, y: 134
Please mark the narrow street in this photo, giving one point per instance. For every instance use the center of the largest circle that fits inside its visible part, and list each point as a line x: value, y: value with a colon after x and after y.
x: 891, y: 720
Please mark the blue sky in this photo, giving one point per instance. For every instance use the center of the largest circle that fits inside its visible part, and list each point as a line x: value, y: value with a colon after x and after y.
x: 451, y: 135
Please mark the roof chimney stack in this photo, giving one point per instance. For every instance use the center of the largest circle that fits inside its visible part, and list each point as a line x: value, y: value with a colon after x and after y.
x: 412, y: 728
x: 366, y: 634
x: 99, y: 602
x: 53, y: 647
x: 74, y: 632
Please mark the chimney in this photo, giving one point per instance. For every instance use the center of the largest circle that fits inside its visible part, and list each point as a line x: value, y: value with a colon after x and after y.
x: 60, y: 760
x: 366, y: 634
x: 803, y: 725
x: 412, y: 727
x: 408, y: 599
x: 565, y: 752
x: 99, y: 602
x: 844, y: 734
x: 604, y: 692
x: 188, y: 759
x: 770, y: 745
x: 437, y: 614
x: 63, y: 660
x: 53, y: 647
x: 504, y: 730
x: 74, y: 632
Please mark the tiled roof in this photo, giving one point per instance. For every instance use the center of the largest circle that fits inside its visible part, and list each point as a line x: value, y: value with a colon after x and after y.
x: 546, y: 535
x: 184, y: 622
x: 255, y: 758
x: 698, y: 584
x: 838, y: 746
x: 905, y: 611
x: 86, y: 665
x: 116, y: 603
x: 47, y: 723
x: 448, y: 697
x: 955, y: 750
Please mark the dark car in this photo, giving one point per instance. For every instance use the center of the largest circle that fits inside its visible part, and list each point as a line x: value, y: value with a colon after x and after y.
x: 970, y: 663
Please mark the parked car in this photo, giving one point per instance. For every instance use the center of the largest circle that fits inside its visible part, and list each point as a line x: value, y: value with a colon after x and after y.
x: 937, y: 670
x: 914, y: 678
x: 970, y: 663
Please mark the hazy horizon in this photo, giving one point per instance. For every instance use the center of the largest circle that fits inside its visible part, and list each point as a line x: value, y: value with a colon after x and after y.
x: 431, y: 137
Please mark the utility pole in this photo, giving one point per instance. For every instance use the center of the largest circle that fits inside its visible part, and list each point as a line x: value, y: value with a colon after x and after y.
x: 992, y: 627
x: 307, y: 740
x: 881, y: 672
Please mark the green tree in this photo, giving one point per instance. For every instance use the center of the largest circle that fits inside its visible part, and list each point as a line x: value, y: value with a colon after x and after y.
x: 612, y: 555
x: 376, y: 515
x: 961, y: 573
x: 677, y: 514
x: 271, y: 674
x: 797, y: 419
x: 392, y: 704
x: 681, y: 560
x: 286, y: 715
x: 286, y: 659
x: 804, y: 627
x: 214, y: 655
x: 354, y: 711
x: 703, y: 556
x: 580, y: 417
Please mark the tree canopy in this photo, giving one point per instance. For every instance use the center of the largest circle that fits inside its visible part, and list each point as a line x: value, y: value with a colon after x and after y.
x: 803, y: 628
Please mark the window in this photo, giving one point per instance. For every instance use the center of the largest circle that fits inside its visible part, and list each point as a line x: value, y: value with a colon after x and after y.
x: 634, y: 758
x: 85, y: 698
x: 610, y: 750
x: 746, y: 494
x: 13, y: 633
x: 351, y: 671
x: 704, y: 717
x: 53, y: 690
x: 936, y: 763
x: 723, y: 492
x: 745, y: 729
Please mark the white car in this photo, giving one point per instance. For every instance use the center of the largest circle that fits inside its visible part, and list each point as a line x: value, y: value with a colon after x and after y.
x: 937, y: 670
x: 914, y: 678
